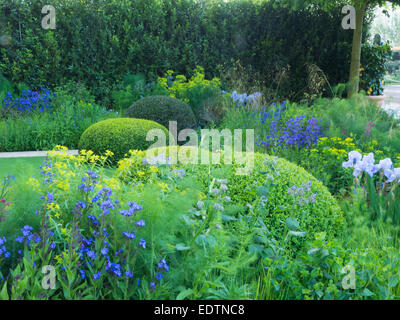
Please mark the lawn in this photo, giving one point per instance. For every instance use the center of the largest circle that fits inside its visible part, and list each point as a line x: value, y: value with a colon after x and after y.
x: 20, y: 167
x: 300, y: 200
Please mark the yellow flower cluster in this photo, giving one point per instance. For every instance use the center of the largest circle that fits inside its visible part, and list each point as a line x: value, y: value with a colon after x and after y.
x: 335, y: 146
x: 88, y: 156
x: 134, y: 169
x: 181, y: 85
x: 163, y: 186
x: 35, y: 184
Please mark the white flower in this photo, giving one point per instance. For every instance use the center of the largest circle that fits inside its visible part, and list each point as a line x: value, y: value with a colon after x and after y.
x: 367, y: 164
x: 354, y: 158
x: 393, y: 175
x: 387, y: 166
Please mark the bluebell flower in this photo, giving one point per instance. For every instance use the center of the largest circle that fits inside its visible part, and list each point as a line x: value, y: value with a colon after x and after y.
x: 115, y: 268
x: 91, y: 254
x: 50, y: 198
x: 142, y: 243
x: 135, y: 206
x: 129, y: 235
x: 159, y: 275
x: 26, y: 230
x: 126, y: 213
x: 106, y: 206
x: 93, y: 219
x: 140, y: 223
x: 162, y: 264
x: 81, y: 204
x: 128, y: 274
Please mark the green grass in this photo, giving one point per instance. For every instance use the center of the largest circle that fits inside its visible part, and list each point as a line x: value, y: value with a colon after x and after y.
x: 20, y: 167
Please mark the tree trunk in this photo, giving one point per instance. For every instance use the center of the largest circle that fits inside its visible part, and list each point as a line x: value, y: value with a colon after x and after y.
x: 356, y: 51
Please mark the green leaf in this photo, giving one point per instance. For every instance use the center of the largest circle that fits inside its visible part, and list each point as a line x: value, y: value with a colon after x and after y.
x: 367, y: 293
x: 292, y: 223
x: 313, y: 251
x: 4, y: 293
x: 298, y: 233
x: 184, y: 294
x: 226, y: 218
x: 394, y: 280
x: 181, y: 247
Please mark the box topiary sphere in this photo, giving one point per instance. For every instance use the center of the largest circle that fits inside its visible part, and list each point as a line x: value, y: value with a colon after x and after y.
x: 163, y: 109
x: 119, y: 136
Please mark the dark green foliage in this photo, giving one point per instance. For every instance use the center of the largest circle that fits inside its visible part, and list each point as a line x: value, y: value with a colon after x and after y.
x: 163, y: 109
x: 374, y: 64
x: 119, y: 136
x: 133, y: 88
x: 98, y: 42
x: 5, y: 87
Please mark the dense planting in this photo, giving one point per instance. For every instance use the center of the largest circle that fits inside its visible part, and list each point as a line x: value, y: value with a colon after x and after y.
x: 266, y: 199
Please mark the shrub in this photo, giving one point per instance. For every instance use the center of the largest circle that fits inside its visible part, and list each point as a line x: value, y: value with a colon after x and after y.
x: 163, y: 109
x: 271, y: 184
x: 197, y: 91
x: 118, y: 135
x: 374, y: 62
x: 275, y: 179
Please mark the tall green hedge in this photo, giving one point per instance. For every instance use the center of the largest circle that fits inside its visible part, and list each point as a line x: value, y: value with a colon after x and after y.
x: 97, y: 42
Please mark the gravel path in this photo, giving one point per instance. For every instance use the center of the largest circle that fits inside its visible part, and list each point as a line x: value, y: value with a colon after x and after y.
x: 392, y: 100
x: 30, y: 154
